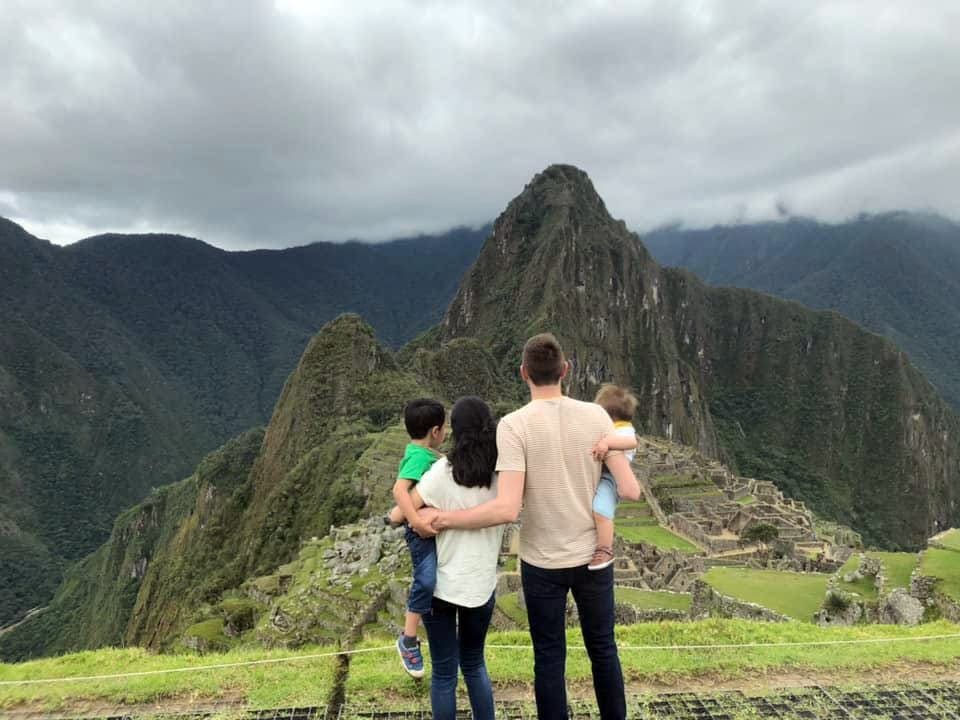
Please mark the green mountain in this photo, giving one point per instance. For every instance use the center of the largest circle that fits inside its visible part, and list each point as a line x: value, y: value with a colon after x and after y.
x: 832, y: 413
x: 836, y: 415
x: 897, y: 274
x: 123, y: 359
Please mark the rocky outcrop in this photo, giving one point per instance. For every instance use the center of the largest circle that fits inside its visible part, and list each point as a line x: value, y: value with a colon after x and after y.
x: 900, y: 608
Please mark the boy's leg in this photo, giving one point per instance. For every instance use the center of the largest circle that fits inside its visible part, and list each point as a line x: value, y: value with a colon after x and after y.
x: 423, y: 555
x: 593, y: 593
x: 604, y: 507
x: 545, y: 594
x: 411, y: 621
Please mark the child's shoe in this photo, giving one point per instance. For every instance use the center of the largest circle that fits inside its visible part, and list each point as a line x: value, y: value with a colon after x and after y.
x: 411, y: 657
x: 602, y: 558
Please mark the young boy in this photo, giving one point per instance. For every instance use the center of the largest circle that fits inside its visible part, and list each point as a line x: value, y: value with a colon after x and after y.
x: 425, y: 422
x: 620, y: 405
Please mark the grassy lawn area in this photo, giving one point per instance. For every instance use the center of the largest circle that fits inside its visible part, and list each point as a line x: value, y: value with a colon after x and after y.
x: 376, y: 677
x: 654, y: 535
x: 300, y: 683
x: 951, y: 539
x: 653, y: 599
x: 746, y: 500
x: 864, y: 587
x: 943, y: 564
x: 897, y: 567
x: 509, y: 605
x: 796, y: 595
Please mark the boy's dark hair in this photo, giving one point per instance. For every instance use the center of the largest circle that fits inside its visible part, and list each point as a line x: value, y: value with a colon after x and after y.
x: 422, y: 414
x: 543, y: 359
x: 619, y: 402
x: 474, y: 453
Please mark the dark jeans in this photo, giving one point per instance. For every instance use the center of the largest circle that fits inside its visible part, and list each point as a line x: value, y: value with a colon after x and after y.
x: 450, y: 649
x: 423, y: 555
x: 545, y: 593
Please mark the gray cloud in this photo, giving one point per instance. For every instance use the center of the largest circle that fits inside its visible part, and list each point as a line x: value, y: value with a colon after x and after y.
x: 259, y: 124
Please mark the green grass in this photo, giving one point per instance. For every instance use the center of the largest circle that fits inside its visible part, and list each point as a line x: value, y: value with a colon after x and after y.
x: 509, y: 605
x: 945, y: 565
x: 897, y: 567
x: 653, y: 599
x: 299, y: 683
x: 746, y: 500
x: 796, y: 595
x: 509, y: 563
x: 864, y: 587
x: 951, y: 539
x: 376, y: 676
x: 654, y: 535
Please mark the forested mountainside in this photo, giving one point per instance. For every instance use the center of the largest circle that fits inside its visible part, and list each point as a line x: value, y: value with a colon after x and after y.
x: 123, y: 359
x: 897, y: 274
x: 834, y: 414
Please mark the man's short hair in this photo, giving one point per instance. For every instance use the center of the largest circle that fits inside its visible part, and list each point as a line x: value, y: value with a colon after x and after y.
x: 421, y: 415
x: 543, y: 359
x: 619, y: 402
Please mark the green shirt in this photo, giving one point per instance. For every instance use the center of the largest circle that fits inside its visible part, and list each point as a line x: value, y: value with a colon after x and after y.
x: 416, y: 461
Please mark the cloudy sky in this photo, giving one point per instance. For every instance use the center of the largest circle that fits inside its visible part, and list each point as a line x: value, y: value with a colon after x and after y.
x: 269, y: 124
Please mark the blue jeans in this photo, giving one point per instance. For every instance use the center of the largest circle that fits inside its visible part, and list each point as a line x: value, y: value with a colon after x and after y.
x: 423, y: 555
x: 545, y: 592
x: 450, y: 649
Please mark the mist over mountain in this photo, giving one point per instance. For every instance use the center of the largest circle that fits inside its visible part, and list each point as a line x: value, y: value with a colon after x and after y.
x: 123, y: 359
x: 897, y: 274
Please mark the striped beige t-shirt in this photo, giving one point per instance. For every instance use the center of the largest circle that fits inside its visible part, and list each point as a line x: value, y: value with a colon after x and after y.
x: 550, y: 441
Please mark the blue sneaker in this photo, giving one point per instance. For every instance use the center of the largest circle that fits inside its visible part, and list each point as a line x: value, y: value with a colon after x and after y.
x: 411, y: 658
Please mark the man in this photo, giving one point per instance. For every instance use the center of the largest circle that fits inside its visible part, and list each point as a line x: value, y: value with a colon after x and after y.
x: 545, y: 465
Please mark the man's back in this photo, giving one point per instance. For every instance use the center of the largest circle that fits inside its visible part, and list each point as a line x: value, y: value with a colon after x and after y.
x: 550, y: 441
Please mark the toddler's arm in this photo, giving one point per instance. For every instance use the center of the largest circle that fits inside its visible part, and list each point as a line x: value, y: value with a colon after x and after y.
x: 613, y: 441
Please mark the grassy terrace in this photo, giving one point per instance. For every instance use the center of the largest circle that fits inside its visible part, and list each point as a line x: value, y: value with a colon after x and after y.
x: 897, y: 567
x: 653, y: 599
x: 864, y: 587
x: 943, y: 564
x: 796, y: 595
x: 376, y: 677
x: 950, y: 540
x: 654, y: 535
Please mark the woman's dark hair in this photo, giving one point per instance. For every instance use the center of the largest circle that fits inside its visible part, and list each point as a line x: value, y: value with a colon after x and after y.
x: 474, y: 453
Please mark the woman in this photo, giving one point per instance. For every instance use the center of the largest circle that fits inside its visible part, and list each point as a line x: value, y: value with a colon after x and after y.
x: 466, y: 562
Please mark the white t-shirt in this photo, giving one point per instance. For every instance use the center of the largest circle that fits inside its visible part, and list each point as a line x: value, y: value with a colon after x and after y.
x: 466, y: 559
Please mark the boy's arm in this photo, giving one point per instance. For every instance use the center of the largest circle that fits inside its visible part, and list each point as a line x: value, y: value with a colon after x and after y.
x: 396, y: 514
x: 403, y: 495
x: 627, y: 486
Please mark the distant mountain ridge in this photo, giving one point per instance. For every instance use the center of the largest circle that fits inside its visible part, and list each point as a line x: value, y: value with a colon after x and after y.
x: 897, y: 274
x: 123, y: 359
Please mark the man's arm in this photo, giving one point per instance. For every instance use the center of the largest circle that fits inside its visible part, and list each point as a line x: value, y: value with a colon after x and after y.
x: 627, y: 486
x: 504, y: 508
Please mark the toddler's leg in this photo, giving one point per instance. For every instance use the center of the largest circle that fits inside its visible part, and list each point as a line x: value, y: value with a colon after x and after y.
x: 604, y: 507
x: 604, y: 530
